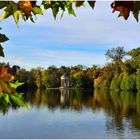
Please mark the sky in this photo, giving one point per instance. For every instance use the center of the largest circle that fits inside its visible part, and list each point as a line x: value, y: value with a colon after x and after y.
x: 83, y: 39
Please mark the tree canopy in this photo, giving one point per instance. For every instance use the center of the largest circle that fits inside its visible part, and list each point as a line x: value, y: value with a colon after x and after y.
x: 116, y: 54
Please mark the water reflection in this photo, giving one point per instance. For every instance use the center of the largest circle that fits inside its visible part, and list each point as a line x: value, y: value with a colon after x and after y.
x: 63, y: 98
x: 122, y: 111
x: 85, y: 113
x: 121, y: 108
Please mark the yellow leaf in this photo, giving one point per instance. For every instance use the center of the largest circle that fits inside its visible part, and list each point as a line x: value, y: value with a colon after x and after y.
x: 5, y: 77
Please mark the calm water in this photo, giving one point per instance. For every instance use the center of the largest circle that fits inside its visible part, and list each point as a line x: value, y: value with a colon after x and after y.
x: 74, y: 114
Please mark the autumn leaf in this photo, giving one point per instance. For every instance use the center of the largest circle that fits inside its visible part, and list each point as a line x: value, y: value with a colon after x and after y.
x: 4, y: 73
x: 5, y: 77
x: 26, y: 6
x: 124, y: 7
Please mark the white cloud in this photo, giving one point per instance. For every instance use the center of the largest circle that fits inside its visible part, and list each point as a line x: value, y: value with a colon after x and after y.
x: 45, y: 58
x: 58, y: 58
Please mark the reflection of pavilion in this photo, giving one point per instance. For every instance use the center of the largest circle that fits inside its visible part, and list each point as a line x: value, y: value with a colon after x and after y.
x: 64, y: 97
x: 65, y: 81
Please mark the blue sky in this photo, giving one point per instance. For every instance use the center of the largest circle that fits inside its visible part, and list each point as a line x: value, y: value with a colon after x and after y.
x: 73, y: 40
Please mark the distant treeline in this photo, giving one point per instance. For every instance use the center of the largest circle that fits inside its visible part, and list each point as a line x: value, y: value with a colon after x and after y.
x: 116, y: 75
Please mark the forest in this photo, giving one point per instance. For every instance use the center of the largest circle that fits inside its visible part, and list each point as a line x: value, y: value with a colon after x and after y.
x: 121, y: 73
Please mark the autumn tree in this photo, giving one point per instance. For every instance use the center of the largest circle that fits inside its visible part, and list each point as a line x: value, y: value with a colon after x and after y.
x: 37, y: 76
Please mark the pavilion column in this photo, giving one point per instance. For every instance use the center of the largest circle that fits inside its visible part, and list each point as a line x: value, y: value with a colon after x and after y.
x: 62, y: 82
x: 65, y: 81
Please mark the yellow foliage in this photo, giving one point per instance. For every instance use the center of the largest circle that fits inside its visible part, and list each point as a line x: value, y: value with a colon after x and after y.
x: 5, y: 77
x: 79, y: 74
x: 26, y: 7
x: 97, y: 81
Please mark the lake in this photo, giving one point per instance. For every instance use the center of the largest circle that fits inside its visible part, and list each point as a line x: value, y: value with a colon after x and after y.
x: 74, y: 114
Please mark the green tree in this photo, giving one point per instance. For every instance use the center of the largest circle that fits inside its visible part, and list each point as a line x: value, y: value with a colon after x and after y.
x: 44, y: 78
x: 138, y: 80
x: 22, y: 75
x: 128, y: 82
x: 116, y: 54
x: 135, y: 53
x: 14, y: 69
x: 115, y: 83
x: 38, y: 77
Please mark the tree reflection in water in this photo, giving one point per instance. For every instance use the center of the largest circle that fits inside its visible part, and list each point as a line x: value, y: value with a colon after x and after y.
x: 119, y: 107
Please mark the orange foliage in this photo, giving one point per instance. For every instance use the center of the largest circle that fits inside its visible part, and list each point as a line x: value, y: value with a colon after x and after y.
x: 26, y: 7
x: 97, y: 81
x: 124, y: 7
x: 5, y: 77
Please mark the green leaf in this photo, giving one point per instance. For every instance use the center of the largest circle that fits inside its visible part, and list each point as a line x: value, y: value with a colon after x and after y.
x: 3, y: 15
x: 16, y: 84
x: 72, y: 12
x: 91, y: 3
x: 37, y: 10
x: 46, y: 3
x: 1, y: 51
x: 6, y: 97
x: 6, y: 13
x: 62, y: 5
x: 31, y: 18
x: 2, y: 4
x: 136, y: 10
x: 47, y: 6
x: 18, y: 101
x: 120, y: 15
x: 42, y: 8
x: 136, y: 6
x: 79, y: 3
x: 55, y: 10
x: 15, y: 12
x: 70, y: 8
x: 136, y: 15
x: 19, y: 95
x: 62, y: 14
x: 22, y: 15
x: 16, y: 16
